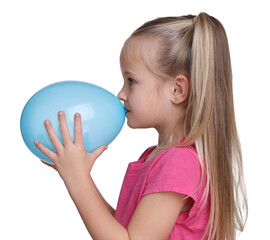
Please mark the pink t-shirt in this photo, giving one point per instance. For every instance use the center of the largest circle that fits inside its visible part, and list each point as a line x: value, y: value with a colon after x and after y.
x: 175, y: 169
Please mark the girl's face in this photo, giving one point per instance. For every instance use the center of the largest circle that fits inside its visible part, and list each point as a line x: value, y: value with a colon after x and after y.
x: 143, y: 93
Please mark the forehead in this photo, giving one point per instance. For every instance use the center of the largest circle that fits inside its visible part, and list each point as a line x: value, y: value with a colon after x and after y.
x: 143, y: 49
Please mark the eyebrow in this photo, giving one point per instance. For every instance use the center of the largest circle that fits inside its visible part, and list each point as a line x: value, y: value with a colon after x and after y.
x: 128, y: 73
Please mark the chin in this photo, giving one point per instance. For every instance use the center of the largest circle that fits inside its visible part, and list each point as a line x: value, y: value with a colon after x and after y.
x: 133, y: 126
x: 137, y: 125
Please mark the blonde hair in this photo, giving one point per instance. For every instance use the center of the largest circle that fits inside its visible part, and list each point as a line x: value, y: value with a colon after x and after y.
x: 197, y: 47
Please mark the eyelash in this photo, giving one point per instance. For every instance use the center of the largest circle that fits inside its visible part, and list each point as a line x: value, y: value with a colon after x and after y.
x: 131, y: 81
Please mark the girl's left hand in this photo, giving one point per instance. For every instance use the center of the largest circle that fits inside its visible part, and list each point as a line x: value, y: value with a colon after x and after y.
x: 71, y: 160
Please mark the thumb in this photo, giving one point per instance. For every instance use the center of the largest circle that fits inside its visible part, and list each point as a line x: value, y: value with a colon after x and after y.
x: 97, y: 152
x: 48, y: 164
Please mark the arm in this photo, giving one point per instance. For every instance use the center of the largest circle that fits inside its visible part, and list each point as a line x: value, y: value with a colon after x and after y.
x: 154, y: 217
x: 106, y: 204
x: 98, y: 220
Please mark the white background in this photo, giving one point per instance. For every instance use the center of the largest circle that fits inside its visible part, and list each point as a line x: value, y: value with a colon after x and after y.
x: 42, y: 42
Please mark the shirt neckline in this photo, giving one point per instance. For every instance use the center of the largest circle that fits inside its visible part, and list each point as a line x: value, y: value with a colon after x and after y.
x: 152, y: 148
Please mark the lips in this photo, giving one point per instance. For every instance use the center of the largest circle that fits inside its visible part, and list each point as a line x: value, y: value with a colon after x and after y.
x: 126, y: 109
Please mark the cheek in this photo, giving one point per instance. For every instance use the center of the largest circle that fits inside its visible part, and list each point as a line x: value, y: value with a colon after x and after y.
x: 145, y: 110
x: 145, y: 100
x: 144, y: 116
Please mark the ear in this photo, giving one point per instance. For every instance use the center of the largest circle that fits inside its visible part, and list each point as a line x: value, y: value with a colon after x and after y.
x: 179, y: 89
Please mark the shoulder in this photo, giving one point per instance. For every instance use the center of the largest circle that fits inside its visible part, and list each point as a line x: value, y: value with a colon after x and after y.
x: 185, y: 157
x: 176, y: 162
x: 175, y: 169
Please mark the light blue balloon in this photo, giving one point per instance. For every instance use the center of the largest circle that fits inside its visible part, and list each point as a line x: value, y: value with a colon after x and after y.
x: 102, y: 113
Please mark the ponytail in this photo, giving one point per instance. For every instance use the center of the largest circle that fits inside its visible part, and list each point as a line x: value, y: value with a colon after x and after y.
x: 213, y: 128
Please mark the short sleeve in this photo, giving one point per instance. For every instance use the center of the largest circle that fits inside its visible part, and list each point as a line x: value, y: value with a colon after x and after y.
x: 177, y: 170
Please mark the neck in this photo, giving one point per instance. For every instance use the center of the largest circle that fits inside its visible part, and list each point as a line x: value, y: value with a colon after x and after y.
x: 170, y: 135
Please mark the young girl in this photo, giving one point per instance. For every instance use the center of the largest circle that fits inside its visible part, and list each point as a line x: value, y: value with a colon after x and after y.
x: 178, y: 80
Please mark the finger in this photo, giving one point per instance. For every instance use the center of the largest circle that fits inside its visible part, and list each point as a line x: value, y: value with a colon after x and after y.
x: 54, y: 139
x: 49, y: 153
x: 48, y: 164
x: 78, y: 132
x: 96, y: 154
x: 64, y: 128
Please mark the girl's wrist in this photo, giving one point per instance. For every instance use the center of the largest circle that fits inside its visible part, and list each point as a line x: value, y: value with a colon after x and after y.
x: 74, y: 183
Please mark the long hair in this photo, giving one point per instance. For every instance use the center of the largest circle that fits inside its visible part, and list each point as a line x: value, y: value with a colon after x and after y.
x: 197, y: 47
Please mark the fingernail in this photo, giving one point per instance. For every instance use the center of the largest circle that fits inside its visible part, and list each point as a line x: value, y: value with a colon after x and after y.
x: 61, y: 113
x: 47, y: 122
x: 36, y: 142
x: 77, y: 114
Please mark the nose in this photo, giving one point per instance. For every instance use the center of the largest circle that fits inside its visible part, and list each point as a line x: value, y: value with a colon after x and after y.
x: 121, y: 95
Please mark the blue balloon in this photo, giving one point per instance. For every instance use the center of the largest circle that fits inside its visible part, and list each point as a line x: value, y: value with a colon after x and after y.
x: 102, y: 114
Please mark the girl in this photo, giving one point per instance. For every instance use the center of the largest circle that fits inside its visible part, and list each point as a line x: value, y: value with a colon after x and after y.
x: 178, y: 80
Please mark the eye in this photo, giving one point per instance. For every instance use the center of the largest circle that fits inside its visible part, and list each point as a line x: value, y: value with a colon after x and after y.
x: 130, y: 80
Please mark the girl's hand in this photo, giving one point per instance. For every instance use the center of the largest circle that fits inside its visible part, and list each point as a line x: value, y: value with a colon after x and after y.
x: 71, y: 160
